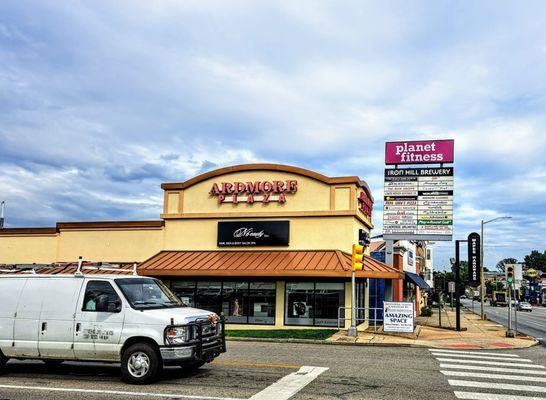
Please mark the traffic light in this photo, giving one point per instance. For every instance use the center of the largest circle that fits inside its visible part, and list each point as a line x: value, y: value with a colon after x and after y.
x: 358, y: 257
x: 510, y: 273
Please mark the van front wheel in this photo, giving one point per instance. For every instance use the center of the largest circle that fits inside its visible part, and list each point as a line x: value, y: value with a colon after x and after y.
x: 3, y: 361
x: 140, y: 364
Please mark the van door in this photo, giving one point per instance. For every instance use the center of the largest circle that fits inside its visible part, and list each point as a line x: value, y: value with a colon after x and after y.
x: 10, y: 291
x: 26, y: 327
x: 57, y: 317
x: 98, y: 331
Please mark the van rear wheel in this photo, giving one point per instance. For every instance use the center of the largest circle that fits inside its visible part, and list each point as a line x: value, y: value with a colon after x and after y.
x: 140, y: 364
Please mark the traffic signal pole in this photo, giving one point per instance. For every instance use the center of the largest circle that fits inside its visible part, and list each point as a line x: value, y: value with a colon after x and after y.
x: 352, y: 329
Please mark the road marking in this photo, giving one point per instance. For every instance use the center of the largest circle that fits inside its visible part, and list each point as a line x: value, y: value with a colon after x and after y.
x: 289, y: 385
x: 254, y: 364
x: 117, y: 392
x: 472, y: 352
x: 480, y: 357
x: 507, y: 364
x: 494, y: 376
x: 531, y: 369
x: 491, y: 396
x: 497, y: 386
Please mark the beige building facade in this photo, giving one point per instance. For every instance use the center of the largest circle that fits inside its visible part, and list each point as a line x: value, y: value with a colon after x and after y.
x: 269, y: 245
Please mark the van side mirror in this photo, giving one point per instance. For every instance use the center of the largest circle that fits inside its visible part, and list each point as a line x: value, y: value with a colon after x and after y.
x: 102, y: 303
x: 114, y: 307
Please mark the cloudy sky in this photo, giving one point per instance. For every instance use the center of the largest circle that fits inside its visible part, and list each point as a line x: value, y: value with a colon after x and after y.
x: 101, y: 101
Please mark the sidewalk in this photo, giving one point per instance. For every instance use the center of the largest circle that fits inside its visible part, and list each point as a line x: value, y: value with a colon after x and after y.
x: 478, y: 334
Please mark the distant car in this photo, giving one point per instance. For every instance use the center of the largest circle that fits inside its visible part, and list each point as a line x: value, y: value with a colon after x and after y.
x: 525, y: 306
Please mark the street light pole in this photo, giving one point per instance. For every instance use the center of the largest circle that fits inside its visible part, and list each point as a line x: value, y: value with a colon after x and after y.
x: 482, y: 278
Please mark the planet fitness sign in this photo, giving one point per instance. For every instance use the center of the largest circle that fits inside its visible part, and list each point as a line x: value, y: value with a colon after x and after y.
x: 419, y: 152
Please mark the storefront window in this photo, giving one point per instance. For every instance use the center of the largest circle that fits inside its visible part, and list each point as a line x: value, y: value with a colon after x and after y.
x: 299, y: 303
x: 235, y: 302
x: 262, y: 303
x: 209, y: 296
x: 328, y: 297
x: 242, y: 302
x: 185, y: 291
x: 313, y: 304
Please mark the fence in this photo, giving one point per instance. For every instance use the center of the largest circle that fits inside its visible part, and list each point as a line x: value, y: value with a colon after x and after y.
x: 360, y: 317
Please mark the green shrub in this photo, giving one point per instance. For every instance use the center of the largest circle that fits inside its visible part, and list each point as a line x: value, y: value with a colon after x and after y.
x: 426, y: 312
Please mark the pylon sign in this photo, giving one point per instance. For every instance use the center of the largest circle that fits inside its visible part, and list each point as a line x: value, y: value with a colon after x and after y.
x: 474, y: 255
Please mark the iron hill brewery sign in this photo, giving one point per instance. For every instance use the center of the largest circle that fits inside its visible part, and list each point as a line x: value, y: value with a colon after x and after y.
x: 250, y: 192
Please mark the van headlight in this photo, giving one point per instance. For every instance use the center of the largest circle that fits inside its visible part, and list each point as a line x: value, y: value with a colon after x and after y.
x: 177, y: 334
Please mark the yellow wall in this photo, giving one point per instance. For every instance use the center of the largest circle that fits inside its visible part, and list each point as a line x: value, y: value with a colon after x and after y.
x: 28, y: 249
x: 306, y: 233
x: 311, y: 195
x: 109, y: 245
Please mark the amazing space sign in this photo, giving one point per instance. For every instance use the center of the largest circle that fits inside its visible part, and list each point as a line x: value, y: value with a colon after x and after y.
x: 398, y: 317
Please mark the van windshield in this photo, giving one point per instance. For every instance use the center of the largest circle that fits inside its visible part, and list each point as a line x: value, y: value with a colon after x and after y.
x: 144, y: 293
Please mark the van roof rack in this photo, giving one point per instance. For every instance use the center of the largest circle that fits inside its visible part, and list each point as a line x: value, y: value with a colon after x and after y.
x: 81, y: 266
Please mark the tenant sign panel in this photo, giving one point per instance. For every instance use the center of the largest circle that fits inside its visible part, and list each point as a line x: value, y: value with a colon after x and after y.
x: 418, y: 204
x: 398, y: 316
x: 474, y: 271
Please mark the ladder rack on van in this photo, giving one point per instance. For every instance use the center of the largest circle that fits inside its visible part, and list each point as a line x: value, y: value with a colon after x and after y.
x: 101, y: 267
x: 81, y: 266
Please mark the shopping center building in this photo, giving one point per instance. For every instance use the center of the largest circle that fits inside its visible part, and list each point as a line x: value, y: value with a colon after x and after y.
x: 267, y: 244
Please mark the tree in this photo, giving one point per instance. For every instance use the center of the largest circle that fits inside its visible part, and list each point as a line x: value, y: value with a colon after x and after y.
x: 502, y: 263
x: 536, y: 260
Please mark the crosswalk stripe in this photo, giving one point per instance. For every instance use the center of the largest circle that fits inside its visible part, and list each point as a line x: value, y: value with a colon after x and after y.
x: 494, y: 376
x: 506, y: 364
x: 492, y: 396
x: 472, y: 352
x: 480, y: 357
x: 530, y: 371
x: 498, y: 386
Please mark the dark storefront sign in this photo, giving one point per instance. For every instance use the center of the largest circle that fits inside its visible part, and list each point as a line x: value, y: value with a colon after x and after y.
x: 253, y: 233
x: 474, y: 259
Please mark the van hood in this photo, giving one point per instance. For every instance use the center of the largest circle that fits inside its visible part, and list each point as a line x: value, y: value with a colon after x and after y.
x: 180, y: 315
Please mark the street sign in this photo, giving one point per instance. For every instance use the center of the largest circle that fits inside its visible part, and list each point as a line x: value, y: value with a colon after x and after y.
x: 418, y: 204
x: 451, y: 287
x: 398, y: 316
x: 474, y: 271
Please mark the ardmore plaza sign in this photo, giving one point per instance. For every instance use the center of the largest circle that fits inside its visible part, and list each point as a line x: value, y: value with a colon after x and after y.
x: 250, y: 192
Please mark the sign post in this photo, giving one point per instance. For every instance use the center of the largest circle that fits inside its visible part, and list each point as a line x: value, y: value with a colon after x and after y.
x: 474, y: 255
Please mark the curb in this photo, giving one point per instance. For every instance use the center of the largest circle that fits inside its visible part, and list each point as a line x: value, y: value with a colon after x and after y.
x: 324, y: 342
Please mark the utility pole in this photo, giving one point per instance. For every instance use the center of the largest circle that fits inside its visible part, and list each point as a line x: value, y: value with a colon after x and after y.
x: 2, y: 211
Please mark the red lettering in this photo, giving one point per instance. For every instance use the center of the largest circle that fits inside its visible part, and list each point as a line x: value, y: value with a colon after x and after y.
x: 292, y: 186
x: 250, y: 199
x: 253, y: 187
x: 215, y: 190
x: 282, y: 198
x: 266, y: 187
x: 266, y: 198
x: 227, y: 188
x: 221, y: 198
x: 240, y: 187
x: 235, y: 199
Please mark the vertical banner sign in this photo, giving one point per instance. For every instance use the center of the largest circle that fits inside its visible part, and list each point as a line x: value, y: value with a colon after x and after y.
x: 474, y: 272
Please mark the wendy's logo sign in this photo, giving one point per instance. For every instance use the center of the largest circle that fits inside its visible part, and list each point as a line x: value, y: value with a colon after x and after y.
x: 249, y: 232
x: 250, y: 192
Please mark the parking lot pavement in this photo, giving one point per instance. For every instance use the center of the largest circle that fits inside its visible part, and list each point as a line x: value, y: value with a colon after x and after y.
x: 296, y: 371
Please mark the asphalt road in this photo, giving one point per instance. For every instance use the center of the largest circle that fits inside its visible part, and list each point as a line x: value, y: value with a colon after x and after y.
x: 529, y: 323
x: 353, y: 372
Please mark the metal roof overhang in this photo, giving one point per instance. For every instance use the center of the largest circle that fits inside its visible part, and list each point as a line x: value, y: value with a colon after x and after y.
x: 263, y: 263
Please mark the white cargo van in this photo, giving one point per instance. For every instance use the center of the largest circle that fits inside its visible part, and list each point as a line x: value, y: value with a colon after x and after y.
x: 115, y: 318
